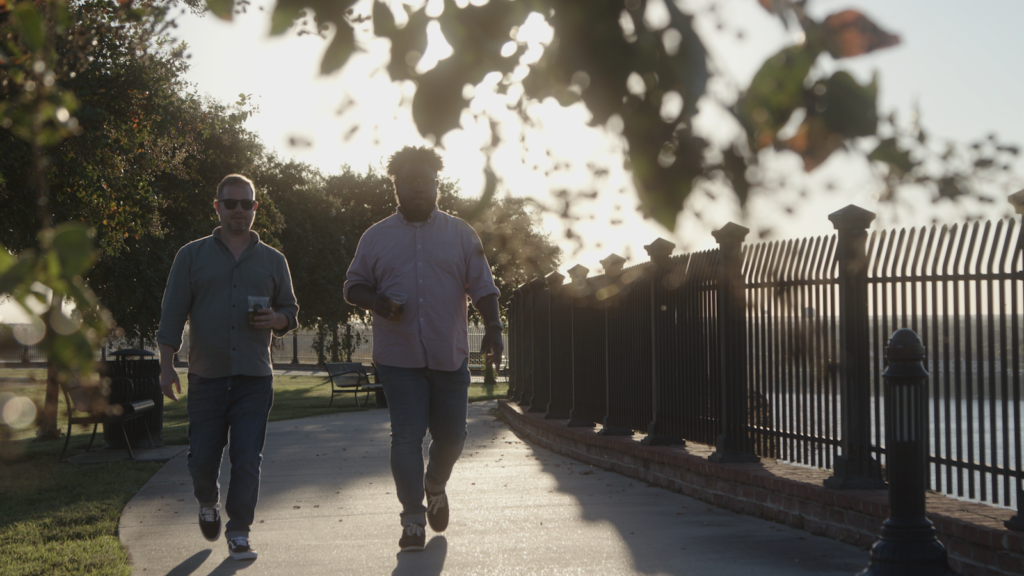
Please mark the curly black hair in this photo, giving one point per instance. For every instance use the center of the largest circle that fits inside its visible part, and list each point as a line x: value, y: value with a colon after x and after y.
x: 414, y: 155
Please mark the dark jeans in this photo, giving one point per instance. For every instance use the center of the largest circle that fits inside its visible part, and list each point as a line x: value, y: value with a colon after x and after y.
x: 420, y: 399
x: 219, y: 409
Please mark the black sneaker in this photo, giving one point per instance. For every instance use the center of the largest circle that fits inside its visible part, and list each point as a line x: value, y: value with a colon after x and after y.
x: 413, y: 538
x: 209, y: 522
x: 240, y: 549
x: 437, y: 511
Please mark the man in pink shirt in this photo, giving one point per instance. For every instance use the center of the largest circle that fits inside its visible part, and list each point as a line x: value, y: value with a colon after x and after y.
x: 421, y: 347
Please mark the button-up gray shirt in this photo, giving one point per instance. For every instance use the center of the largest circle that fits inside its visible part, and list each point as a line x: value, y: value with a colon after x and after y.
x: 210, y: 288
x: 436, y: 264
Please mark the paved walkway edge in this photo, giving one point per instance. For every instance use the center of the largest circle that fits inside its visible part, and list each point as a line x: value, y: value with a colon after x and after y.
x: 973, y: 534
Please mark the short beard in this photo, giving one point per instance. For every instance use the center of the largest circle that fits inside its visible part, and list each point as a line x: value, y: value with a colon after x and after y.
x: 235, y: 228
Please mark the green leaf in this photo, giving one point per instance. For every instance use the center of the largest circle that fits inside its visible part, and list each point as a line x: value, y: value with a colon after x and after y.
x: 837, y: 109
x: 340, y: 48
x: 384, y: 19
x: 889, y: 151
x: 283, y: 18
x: 664, y: 189
x: 775, y: 92
x: 687, y: 71
x: 6, y: 259
x: 951, y: 188
x: 849, y: 108
x: 486, y: 199
x: 438, y: 103
x: 814, y: 141
x: 850, y: 33
x: 407, y: 44
x: 589, y: 40
x: 735, y: 168
x: 30, y: 24
x: 476, y: 34
x: 223, y: 9
x: 19, y: 275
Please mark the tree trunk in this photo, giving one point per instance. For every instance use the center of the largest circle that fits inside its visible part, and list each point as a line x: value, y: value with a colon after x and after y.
x: 48, y: 428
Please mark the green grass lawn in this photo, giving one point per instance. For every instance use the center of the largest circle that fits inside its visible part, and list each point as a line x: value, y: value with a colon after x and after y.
x: 60, y: 518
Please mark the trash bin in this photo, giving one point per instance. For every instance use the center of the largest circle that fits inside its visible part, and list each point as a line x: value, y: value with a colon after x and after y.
x: 135, y: 375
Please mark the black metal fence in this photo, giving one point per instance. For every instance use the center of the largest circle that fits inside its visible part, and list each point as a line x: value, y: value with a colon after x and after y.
x: 775, y: 349
x: 792, y: 337
x: 959, y: 288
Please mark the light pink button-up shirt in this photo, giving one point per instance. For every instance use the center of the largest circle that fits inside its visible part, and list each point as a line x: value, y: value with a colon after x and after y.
x: 436, y: 265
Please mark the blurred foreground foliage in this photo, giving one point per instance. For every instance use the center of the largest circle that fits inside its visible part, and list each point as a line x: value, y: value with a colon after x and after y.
x: 642, y: 71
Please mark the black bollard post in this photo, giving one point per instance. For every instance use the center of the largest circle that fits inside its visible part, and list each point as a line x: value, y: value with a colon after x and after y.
x: 908, y: 545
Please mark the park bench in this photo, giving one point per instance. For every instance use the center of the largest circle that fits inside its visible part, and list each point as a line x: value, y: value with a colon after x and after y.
x: 353, y: 377
x: 117, y: 408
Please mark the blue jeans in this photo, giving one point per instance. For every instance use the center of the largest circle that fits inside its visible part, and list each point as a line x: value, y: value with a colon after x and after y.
x: 420, y: 399
x: 234, y: 407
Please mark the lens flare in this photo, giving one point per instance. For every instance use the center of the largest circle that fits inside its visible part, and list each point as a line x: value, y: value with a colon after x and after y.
x: 16, y: 411
x: 30, y: 334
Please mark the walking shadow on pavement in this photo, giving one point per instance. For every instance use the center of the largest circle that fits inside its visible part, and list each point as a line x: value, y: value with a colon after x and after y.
x: 428, y: 562
x: 188, y: 566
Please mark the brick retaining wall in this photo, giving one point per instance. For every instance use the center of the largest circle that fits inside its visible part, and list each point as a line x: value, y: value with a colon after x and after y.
x: 973, y: 533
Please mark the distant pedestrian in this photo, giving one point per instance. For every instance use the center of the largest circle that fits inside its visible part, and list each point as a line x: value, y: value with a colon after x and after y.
x: 234, y: 291
x: 414, y: 270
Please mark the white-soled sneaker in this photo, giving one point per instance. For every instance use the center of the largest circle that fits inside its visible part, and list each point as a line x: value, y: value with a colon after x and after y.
x: 414, y: 538
x: 209, y: 522
x: 240, y: 549
x: 437, y: 511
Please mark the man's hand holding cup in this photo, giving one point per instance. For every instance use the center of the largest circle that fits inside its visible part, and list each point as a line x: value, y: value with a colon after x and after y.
x: 390, y: 306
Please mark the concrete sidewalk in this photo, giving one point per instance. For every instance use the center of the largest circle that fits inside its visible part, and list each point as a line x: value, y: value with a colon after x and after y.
x: 327, y: 506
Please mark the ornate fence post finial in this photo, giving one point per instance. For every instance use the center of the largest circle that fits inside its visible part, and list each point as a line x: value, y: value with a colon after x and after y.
x: 855, y: 468
x: 578, y: 280
x: 1017, y: 199
x: 908, y: 544
x: 613, y: 266
x: 733, y: 443
x: 578, y: 272
x: 660, y: 252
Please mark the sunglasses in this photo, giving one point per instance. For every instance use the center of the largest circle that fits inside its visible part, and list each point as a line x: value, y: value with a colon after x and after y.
x: 230, y: 203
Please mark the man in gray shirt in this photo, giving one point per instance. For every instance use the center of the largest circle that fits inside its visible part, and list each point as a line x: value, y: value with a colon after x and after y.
x: 230, y: 375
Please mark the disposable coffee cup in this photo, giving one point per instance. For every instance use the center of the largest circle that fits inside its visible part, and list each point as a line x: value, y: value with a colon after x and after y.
x: 398, y: 299
x: 256, y: 303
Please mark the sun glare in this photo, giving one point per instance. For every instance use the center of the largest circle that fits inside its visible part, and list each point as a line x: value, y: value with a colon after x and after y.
x: 358, y: 116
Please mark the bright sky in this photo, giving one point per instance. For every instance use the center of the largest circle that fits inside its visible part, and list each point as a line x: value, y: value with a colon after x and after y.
x: 951, y: 63
x: 954, y: 63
